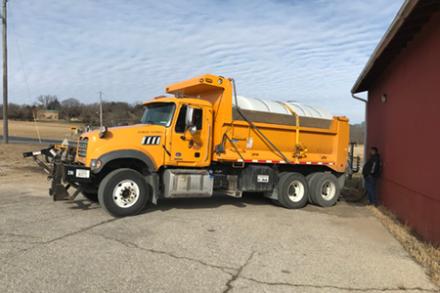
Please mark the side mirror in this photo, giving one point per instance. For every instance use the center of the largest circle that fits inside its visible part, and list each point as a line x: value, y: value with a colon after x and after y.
x: 189, y: 118
x: 192, y: 129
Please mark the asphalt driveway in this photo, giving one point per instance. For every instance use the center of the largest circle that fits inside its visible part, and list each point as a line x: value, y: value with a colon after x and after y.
x: 197, y: 245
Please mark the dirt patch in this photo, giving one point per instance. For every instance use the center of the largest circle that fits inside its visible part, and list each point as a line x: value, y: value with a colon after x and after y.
x: 341, y: 209
x: 353, y: 191
x: 425, y: 254
x: 12, y: 163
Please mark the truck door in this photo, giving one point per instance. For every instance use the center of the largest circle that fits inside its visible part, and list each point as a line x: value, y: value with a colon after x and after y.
x: 190, y: 145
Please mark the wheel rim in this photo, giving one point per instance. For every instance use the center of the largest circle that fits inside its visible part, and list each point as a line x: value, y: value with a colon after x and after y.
x: 328, y: 190
x: 296, y: 191
x: 126, y: 193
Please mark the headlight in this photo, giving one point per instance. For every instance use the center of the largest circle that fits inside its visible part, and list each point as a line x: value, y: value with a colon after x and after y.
x: 95, y: 164
x: 102, y: 131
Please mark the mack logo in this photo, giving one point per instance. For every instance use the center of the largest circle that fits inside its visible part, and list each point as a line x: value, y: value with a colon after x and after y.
x: 150, y: 140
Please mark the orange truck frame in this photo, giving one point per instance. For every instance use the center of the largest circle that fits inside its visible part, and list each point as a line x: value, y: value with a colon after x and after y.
x: 199, y: 141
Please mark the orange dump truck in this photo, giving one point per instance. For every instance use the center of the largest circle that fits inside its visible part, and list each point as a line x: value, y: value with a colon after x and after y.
x: 205, y: 139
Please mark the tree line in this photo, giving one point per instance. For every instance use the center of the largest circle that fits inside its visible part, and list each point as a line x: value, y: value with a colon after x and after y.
x: 71, y: 109
x: 357, y: 133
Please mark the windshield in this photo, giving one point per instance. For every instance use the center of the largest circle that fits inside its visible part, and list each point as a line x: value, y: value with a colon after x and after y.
x: 158, y: 113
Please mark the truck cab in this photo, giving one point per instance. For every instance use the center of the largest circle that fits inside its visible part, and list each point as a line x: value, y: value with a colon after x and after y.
x: 171, y: 132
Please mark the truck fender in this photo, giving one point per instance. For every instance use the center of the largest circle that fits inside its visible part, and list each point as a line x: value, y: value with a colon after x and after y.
x: 126, y: 154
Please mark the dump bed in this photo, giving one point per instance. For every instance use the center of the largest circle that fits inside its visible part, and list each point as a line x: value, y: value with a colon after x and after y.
x: 273, y: 132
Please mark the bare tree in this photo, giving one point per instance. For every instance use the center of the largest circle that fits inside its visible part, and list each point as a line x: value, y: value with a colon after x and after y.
x: 70, y: 108
x: 70, y: 103
x: 357, y: 132
x: 48, y: 102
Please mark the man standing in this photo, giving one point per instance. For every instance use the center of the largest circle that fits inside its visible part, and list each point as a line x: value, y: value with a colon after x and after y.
x: 371, y: 172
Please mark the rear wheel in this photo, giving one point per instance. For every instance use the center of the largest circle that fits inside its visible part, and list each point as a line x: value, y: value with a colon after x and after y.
x: 310, y: 179
x: 292, y: 190
x: 324, y: 189
x: 123, y: 192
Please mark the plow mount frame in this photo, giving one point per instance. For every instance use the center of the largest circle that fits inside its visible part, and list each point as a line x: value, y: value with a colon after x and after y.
x: 54, y: 165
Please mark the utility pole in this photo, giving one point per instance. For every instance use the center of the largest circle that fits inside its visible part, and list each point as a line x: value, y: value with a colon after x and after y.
x: 5, y: 76
x: 100, y: 109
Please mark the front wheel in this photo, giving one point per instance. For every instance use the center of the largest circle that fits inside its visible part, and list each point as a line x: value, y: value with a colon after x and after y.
x: 123, y: 192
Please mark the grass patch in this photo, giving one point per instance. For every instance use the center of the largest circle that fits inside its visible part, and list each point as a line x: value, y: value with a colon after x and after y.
x: 425, y: 254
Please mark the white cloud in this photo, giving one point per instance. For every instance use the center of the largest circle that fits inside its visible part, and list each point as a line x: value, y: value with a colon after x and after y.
x: 310, y: 51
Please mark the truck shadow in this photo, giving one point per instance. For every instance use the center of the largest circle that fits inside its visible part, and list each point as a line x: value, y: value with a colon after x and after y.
x: 207, y: 203
x: 82, y: 204
x: 345, y: 208
x: 184, y: 203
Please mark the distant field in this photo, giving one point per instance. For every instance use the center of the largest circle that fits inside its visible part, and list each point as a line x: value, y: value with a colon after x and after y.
x: 46, y: 130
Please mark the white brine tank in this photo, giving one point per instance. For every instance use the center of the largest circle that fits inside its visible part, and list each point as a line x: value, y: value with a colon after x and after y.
x: 300, y: 109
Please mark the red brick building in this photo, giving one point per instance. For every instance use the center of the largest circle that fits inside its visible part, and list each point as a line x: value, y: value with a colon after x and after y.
x: 402, y: 78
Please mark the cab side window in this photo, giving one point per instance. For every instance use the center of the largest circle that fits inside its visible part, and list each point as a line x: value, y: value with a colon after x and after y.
x: 198, y: 119
x: 180, y: 124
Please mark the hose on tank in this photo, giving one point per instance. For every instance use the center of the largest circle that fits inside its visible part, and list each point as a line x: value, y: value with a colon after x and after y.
x: 253, y: 126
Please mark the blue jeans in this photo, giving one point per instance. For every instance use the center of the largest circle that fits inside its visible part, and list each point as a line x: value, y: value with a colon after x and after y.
x: 370, y: 187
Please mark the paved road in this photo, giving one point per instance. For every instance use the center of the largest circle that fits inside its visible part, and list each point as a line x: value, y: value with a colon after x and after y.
x: 205, y: 245
x: 30, y: 140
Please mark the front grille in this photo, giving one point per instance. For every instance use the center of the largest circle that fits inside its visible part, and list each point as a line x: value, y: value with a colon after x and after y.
x: 82, y: 147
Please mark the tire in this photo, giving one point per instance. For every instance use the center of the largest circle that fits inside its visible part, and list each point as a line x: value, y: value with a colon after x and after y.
x: 92, y: 196
x: 292, y: 190
x: 275, y: 201
x: 123, y: 192
x: 310, y: 183
x: 325, y: 189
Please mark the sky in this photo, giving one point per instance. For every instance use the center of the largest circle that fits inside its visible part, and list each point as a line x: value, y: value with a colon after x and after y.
x: 307, y: 51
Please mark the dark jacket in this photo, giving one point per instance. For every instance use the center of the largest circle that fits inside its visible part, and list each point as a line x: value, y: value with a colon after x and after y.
x: 372, y: 167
